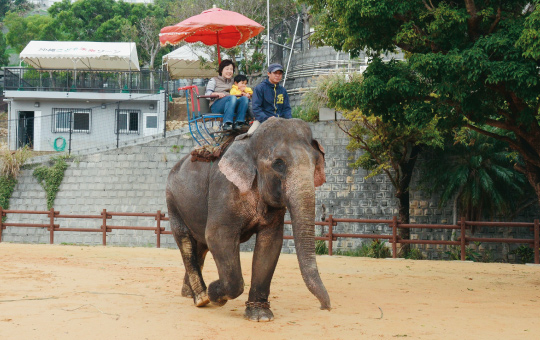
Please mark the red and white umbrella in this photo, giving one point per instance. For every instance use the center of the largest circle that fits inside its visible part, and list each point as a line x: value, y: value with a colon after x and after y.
x: 214, y: 26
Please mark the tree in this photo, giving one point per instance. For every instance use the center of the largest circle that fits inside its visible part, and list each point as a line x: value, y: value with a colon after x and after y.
x: 390, y: 146
x: 477, y: 173
x: 480, y: 60
x: 109, y: 20
x: 21, y: 30
x: 14, y: 6
x: 147, y: 22
x: 115, y: 29
x: 4, y: 56
x: 82, y: 19
x: 253, y: 51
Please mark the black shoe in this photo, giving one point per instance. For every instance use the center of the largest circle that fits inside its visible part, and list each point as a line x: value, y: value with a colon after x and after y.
x: 227, y: 127
x: 239, y: 125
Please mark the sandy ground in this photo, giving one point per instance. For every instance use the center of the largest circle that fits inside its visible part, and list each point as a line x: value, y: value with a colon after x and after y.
x: 77, y: 292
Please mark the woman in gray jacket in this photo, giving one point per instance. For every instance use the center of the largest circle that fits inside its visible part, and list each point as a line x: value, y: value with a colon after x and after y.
x: 233, y: 109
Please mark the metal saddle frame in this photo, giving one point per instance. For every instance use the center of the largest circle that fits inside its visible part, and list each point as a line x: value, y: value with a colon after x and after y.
x: 205, y: 128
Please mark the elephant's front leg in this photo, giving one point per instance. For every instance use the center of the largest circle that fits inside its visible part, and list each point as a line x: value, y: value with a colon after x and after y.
x: 265, y: 258
x: 224, y: 244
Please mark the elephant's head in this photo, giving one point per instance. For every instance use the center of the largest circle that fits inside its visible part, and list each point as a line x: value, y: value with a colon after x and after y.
x: 283, y: 162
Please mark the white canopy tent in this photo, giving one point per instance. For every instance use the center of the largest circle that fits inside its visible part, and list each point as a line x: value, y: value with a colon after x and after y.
x: 185, y: 63
x: 81, y: 55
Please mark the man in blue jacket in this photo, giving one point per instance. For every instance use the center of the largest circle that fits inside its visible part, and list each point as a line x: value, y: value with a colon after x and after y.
x: 269, y: 98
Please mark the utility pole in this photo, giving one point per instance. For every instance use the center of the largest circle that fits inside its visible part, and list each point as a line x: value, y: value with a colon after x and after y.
x: 267, y: 33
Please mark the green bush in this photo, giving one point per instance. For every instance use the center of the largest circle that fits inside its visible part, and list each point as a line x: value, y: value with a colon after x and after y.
x: 7, y: 185
x: 414, y: 254
x: 375, y: 249
x: 321, y: 248
x: 317, y: 96
x: 361, y: 251
x: 454, y: 254
x: 471, y: 254
x: 50, y: 178
x: 524, y: 253
x: 307, y: 116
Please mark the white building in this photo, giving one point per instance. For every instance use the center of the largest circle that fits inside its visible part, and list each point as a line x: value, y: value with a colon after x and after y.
x: 78, y: 95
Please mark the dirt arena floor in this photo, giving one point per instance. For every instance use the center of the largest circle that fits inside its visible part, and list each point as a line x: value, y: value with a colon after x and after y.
x: 78, y: 292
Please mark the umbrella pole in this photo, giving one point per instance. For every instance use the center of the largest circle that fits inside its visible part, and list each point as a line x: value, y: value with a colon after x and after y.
x: 218, y: 52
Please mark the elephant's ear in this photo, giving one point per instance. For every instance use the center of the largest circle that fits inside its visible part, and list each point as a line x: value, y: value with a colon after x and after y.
x: 320, y: 176
x: 238, y: 166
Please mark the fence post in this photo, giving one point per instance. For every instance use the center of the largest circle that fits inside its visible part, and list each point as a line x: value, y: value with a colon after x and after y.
x: 330, y: 234
x: 1, y: 221
x: 51, y: 227
x: 536, y: 241
x: 462, y: 239
x: 158, y: 229
x: 394, y: 236
x: 104, y: 226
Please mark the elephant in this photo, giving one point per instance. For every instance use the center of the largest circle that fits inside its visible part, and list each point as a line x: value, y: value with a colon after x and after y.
x: 215, y: 206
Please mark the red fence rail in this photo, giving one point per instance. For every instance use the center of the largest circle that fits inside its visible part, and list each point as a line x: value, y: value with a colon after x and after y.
x: 330, y: 222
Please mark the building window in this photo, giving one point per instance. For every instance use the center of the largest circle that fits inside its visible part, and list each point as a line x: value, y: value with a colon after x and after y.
x: 127, y: 121
x: 76, y: 120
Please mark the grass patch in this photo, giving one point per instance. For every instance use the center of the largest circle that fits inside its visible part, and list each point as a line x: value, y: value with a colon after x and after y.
x: 11, y: 163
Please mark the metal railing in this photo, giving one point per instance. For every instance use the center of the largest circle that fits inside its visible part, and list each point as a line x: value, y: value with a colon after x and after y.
x: 66, y: 80
x: 329, y: 235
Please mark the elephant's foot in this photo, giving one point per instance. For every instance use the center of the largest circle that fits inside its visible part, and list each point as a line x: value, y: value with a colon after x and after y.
x: 258, y: 311
x: 216, y: 294
x: 186, y: 291
x: 201, y: 299
x: 219, y: 303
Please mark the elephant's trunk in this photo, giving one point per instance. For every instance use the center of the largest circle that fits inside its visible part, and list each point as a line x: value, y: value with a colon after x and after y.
x: 301, y: 205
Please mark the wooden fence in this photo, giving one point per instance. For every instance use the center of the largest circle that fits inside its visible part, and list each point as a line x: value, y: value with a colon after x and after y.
x: 328, y: 234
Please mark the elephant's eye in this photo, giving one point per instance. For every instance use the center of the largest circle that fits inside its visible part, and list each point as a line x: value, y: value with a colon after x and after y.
x: 279, y: 165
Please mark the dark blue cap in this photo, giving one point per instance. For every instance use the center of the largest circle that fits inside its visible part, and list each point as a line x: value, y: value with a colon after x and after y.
x: 274, y: 67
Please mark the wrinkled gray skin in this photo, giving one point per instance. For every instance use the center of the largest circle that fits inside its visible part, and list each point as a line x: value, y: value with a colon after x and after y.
x: 216, y: 206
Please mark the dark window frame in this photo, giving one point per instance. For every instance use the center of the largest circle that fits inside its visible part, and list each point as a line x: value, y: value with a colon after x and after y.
x: 130, y: 124
x: 63, y: 116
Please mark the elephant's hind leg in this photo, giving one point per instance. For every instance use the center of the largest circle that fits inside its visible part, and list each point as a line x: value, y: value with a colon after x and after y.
x: 201, y: 255
x: 188, y: 248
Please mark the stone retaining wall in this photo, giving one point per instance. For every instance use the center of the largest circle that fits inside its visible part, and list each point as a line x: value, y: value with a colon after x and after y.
x: 133, y: 179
